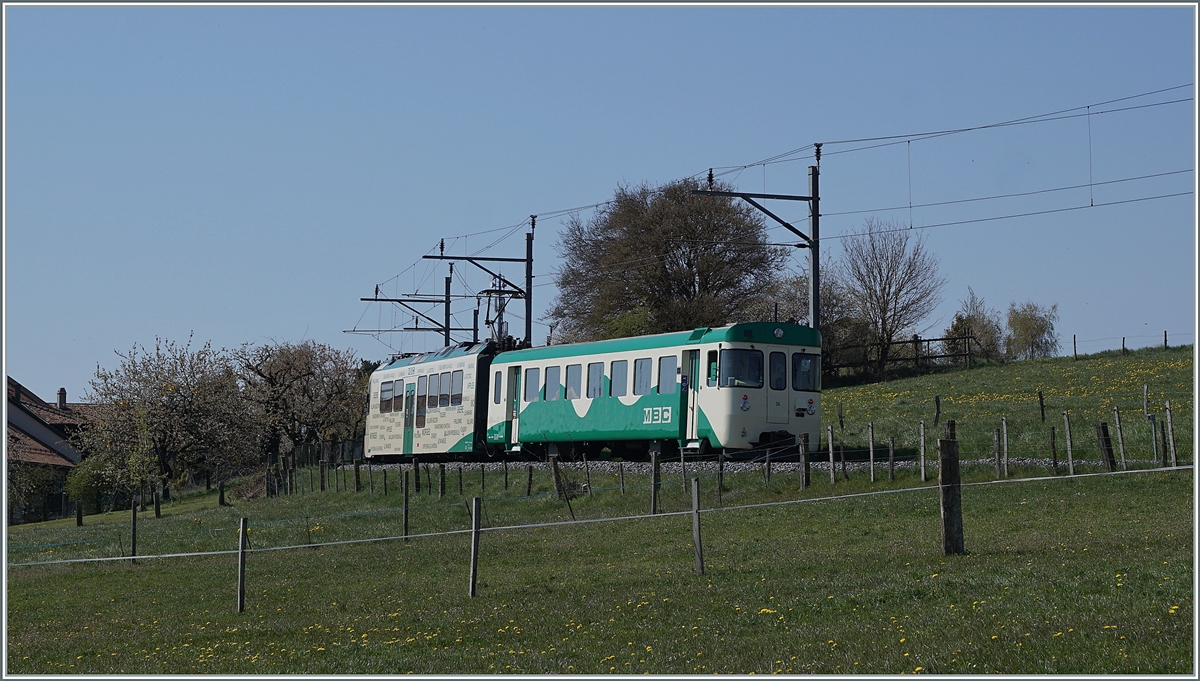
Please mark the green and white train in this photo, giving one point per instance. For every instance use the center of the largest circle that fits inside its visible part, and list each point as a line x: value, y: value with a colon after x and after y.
x: 734, y: 388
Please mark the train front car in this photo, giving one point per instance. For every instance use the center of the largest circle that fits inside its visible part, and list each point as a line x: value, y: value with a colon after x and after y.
x: 426, y: 405
x: 736, y: 388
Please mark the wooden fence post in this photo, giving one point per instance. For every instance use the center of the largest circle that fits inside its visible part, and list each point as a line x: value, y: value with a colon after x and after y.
x: 429, y: 483
x: 322, y: 475
x: 891, y: 458
x: 1070, y: 453
x: 476, y: 520
x: 529, y: 480
x: 482, y: 471
x: 654, y: 483
x: 221, y: 493
x: 1042, y: 405
x: 1106, y: 451
x: 404, y: 493
x: 1004, y: 441
x: 720, y: 477
x: 696, y: 526
x: 767, y: 470
x: 996, y: 450
x: 243, y: 540
x: 1163, y: 430
x: 806, y: 460
x: 157, y: 508
x: 133, y: 533
x: 416, y: 471
x: 922, y: 435
x: 871, y: 447
x: 558, y: 490
x: 385, y: 482
x: 460, y: 481
x: 370, y: 478
x: 842, y: 458
x: 587, y: 471
x: 1170, y: 424
x: 682, y: 471
x: 832, y: 469
x: 78, y: 513
x: 1053, y: 451
x: 621, y: 475
x: 441, y: 480
x: 505, y: 476
x: 357, y: 478
x: 1120, y: 437
x: 951, y: 497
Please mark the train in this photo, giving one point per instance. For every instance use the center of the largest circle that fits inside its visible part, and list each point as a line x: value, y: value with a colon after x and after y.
x: 734, y: 388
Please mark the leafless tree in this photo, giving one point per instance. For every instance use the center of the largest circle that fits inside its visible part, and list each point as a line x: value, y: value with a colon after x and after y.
x: 659, y: 259
x: 301, y: 393
x: 974, y: 318
x: 892, y: 280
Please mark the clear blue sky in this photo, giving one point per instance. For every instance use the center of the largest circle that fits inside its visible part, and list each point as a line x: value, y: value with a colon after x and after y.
x: 249, y: 173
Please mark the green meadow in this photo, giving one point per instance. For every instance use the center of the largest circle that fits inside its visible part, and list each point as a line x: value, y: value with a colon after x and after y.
x: 1065, y: 575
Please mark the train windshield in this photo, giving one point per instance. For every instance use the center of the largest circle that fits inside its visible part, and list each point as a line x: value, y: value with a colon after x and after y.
x: 742, y: 368
x: 806, y: 372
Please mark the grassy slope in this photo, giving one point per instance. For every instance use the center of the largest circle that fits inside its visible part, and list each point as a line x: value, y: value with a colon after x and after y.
x: 1064, y: 576
x: 977, y: 400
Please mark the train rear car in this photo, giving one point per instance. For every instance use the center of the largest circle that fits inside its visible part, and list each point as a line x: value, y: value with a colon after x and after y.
x: 427, y: 404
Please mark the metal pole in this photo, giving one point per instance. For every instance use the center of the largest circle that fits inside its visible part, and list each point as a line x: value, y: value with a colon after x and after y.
x: 446, y: 330
x: 529, y: 281
x: 814, y: 207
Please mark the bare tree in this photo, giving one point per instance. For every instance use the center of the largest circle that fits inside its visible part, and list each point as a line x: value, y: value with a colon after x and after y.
x: 892, y: 280
x: 974, y: 318
x: 658, y: 259
x: 300, y: 392
x: 1031, y: 331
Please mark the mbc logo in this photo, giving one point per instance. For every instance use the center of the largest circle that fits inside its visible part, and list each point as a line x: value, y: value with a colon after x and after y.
x: 656, y: 415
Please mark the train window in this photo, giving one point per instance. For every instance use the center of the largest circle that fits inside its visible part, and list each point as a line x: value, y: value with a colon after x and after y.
x: 444, y: 394
x: 619, y: 380
x: 666, y: 374
x: 431, y: 401
x: 806, y: 372
x: 574, y: 381
x: 421, y: 383
x: 532, y: 384
x: 385, y: 397
x: 642, y: 375
x: 496, y: 388
x: 456, y: 385
x: 553, y: 383
x: 778, y: 371
x: 712, y: 368
x: 742, y: 368
x: 595, y: 385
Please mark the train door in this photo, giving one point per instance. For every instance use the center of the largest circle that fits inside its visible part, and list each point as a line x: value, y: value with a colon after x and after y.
x: 410, y: 389
x: 690, y: 386
x: 778, y: 399
x: 512, y: 404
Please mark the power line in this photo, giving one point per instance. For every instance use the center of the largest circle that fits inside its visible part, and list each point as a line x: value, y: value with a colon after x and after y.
x: 1008, y: 196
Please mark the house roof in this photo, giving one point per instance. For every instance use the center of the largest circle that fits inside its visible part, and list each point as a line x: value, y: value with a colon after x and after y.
x: 22, y: 447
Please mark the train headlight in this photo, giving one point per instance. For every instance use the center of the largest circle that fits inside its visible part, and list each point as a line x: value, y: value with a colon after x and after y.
x: 779, y: 333
x: 745, y: 404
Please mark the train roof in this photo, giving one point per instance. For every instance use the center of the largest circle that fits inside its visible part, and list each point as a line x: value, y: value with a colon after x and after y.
x: 448, y: 352
x: 749, y: 332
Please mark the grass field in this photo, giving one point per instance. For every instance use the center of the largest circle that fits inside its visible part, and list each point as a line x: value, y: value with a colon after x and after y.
x: 1087, y: 574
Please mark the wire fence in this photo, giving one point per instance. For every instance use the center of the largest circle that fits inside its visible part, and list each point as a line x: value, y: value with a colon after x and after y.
x: 752, y: 472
